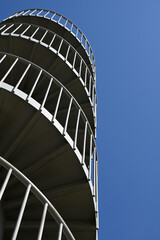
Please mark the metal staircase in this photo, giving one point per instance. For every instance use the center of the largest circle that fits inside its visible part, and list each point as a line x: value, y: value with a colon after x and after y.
x: 48, y: 110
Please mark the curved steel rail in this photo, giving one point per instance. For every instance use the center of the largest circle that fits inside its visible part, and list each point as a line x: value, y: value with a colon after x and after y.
x: 90, y: 162
x: 63, y: 228
x: 70, y: 56
x: 64, y: 22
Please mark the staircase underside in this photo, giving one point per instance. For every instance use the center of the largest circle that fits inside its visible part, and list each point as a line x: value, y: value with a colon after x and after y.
x: 50, y: 163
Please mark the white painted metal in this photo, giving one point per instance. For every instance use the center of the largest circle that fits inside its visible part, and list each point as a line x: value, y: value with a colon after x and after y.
x: 74, y: 60
x: 16, y: 29
x: 64, y: 58
x: 25, y: 30
x: 9, y: 70
x: 87, y: 129
x: 58, y: 102
x: 42, y: 221
x: 7, y: 29
x: 84, y: 43
x: 46, y: 95
x: 67, y: 118
x: 44, y: 35
x: 15, y: 233
x: 90, y: 159
x: 84, y: 143
x: 5, y: 183
x: 2, y: 27
x: 39, y: 195
x: 79, y: 134
x: 35, y: 32
x: 76, y: 130
x: 37, y: 79
x: 22, y: 77
x: 60, y: 231
x: 60, y: 46
x: 4, y: 56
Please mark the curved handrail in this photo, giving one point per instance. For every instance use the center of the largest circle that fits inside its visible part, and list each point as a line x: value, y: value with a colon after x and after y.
x: 90, y: 164
x: 64, y: 22
x: 81, y: 70
x: 39, y: 195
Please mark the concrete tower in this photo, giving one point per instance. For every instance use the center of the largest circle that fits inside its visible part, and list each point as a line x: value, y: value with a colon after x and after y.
x: 48, y: 163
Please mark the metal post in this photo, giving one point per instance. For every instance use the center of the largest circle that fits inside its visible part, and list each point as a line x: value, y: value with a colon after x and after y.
x: 15, y: 233
x: 5, y: 183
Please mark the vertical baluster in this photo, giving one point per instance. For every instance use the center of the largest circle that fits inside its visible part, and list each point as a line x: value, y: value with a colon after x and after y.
x: 46, y: 13
x: 89, y: 53
x: 77, y: 32
x: 94, y: 171
x: 74, y: 60
x: 59, y: 19
x: 93, y: 95
x: 96, y: 192
x: 60, y: 45
x: 67, y: 118
x: 23, y: 75
x: 53, y: 16
x: 60, y: 231
x: 80, y: 69
x: 94, y: 72
x: 71, y: 27
x: 76, y: 131
x: 42, y: 221
x: 39, y: 13
x: 81, y: 38
x: 5, y: 183
x: 90, y: 158
x: 84, y: 143
x: 9, y: 70
x: 38, y: 77
x: 85, y: 44
x: 16, y: 29
x: 56, y: 19
x: 19, y: 13
x: 46, y: 95
x: 66, y: 23
x: 95, y: 111
x: 43, y: 36
x: 2, y: 27
x: 67, y: 52
x: 25, y: 30
x: 34, y: 32
x: 33, y: 12
x: 3, y: 58
x: 52, y: 40
x: 90, y: 85
x: 85, y: 83
x: 7, y: 29
x: 57, y: 106
x: 26, y: 12
x: 15, y: 233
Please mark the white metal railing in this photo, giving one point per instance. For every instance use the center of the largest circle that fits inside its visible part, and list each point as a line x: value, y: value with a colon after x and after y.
x: 60, y: 47
x: 52, y: 94
x: 67, y: 24
x: 47, y: 206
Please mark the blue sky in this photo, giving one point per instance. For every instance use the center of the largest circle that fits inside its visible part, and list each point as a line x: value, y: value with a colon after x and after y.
x: 125, y: 38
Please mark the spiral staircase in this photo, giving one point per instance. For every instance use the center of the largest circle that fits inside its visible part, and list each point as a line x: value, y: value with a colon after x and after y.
x: 48, y: 108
